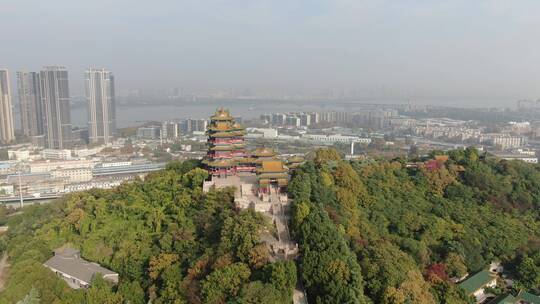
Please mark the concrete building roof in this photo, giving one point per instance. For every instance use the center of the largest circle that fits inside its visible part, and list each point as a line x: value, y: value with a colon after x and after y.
x: 68, y: 261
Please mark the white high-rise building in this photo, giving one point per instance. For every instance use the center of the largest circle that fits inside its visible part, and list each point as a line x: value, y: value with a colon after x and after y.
x: 7, y: 134
x: 31, y: 106
x: 54, y: 91
x: 101, y: 105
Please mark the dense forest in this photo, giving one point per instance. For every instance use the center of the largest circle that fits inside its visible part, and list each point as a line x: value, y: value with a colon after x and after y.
x: 169, y: 242
x: 372, y: 231
x: 385, y: 232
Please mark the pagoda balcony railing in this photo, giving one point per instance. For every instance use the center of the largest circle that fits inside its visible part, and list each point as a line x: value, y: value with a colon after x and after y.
x: 245, y: 169
x: 226, y: 141
x: 223, y: 171
x: 226, y: 155
x: 220, y: 156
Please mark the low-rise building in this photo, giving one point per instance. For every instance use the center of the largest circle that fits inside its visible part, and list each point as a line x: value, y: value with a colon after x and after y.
x: 88, y: 152
x: 322, y: 138
x: 116, y: 164
x: 521, y: 298
x: 189, y: 126
x: 19, y: 154
x: 51, y: 185
x: 73, y: 175
x: 262, y: 133
x: 7, y: 167
x: 56, y: 154
x: 77, y: 272
x: 151, y: 132
x: 476, y: 284
x: 48, y: 166
x: 6, y: 190
x: 525, y: 158
x: 26, y: 178
x: 503, y: 141
x: 106, y: 184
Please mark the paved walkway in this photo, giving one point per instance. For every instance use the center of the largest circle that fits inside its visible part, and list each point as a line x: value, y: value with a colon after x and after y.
x: 280, y: 218
x: 299, y: 297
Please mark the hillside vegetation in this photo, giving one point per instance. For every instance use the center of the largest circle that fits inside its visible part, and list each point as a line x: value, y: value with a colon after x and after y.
x: 369, y: 232
x: 169, y: 242
x: 382, y: 232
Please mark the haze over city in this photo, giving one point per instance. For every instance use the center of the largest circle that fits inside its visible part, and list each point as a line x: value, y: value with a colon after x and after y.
x: 270, y: 151
x: 395, y: 49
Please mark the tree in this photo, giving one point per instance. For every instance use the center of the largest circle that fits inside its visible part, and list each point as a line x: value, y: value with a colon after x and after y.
x: 159, y: 263
x: 224, y: 283
x: 259, y: 293
x: 449, y: 293
x: 282, y: 276
x: 436, y: 273
x: 101, y: 292
x: 258, y: 256
x: 330, y: 272
x: 132, y: 292
x: 194, y: 178
x: 366, y: 230
x: 413, y: 290
x: 240, y: 234
x: 326, y: 155
x: 455, y: 265
x: 529, y: 273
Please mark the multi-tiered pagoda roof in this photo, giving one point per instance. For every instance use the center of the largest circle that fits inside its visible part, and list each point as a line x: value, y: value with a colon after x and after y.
x: 227, y: 154
x: 226, y: 146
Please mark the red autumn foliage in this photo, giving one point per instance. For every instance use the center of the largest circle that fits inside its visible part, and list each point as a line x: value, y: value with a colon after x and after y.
x: 436, y: 272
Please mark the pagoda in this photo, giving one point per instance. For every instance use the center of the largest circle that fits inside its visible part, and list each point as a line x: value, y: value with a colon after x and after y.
x: 226, y: 146
x: 272, y: 174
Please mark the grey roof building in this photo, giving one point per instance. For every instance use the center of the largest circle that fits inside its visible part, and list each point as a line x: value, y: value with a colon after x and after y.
x: 77, y: 272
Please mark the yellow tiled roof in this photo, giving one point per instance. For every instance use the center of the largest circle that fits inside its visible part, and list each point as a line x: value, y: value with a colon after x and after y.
x: 272, y: 166
x: 264, y: 152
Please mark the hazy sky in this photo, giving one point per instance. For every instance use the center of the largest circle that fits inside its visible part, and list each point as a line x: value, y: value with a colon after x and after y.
x: 475, y: 48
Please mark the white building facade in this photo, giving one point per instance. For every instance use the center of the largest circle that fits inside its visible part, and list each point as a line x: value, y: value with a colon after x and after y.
x: 100, y: 96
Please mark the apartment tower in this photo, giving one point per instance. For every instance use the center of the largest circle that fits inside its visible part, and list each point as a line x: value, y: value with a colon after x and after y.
x: 54, y: 91
x: 101, y: 105
x: 7, y: 134
x: 31, y: 106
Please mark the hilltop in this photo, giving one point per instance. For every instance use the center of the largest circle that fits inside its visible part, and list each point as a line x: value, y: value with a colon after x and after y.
x: 372, y: 231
